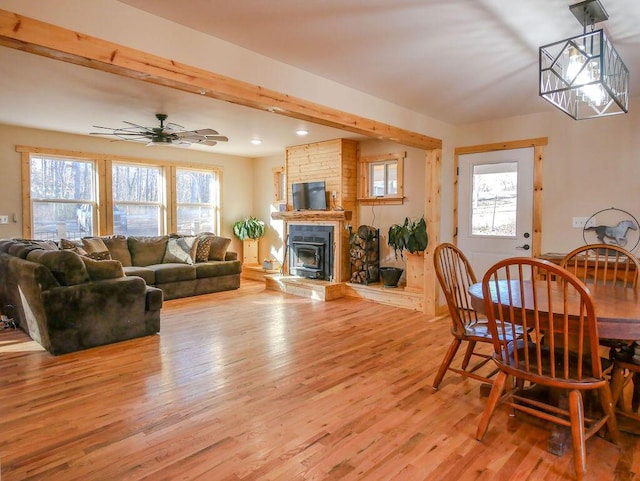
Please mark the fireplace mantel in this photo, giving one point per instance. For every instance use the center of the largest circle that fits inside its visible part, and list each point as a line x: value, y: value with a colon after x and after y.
x: 312, y: 215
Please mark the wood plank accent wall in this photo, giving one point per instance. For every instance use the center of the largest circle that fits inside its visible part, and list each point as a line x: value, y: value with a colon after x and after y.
x: 335, y: 162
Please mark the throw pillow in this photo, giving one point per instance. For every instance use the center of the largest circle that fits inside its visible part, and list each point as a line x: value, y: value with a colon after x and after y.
x: 66, y: 244
x: 146, y: 251
x: 179, y: 250
x: 66, y: 266
x: 202, y: 249
x: 99, y: 256
x: 218, y: 248
x: 100, y: 270
x: 118, y: 248
x: 94, y: 244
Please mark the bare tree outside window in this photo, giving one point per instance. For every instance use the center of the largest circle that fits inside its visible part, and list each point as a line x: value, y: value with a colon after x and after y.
x: 197, y: 201
x: 137, y: 200
x: 62, y: 197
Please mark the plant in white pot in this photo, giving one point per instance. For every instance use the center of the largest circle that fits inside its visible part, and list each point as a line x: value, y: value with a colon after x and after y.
x: 410, y: 236
x: 249, y: 231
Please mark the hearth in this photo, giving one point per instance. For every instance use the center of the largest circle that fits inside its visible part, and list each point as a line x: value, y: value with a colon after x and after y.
x: 311, y: 251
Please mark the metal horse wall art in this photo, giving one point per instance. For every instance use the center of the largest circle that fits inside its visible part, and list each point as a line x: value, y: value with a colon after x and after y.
x: 617, y: 233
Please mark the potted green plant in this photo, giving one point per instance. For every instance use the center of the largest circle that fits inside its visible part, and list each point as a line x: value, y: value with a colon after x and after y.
x: 411, y: 236
x: 249, y: 230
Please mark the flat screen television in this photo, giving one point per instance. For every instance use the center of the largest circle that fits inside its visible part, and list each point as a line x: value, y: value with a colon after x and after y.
x: 309, y: 196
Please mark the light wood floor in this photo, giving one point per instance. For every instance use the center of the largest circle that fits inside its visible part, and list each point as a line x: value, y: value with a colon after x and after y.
x: 258, y: 385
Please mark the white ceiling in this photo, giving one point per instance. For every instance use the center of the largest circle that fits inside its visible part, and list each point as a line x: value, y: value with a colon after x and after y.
x: 458, y: 61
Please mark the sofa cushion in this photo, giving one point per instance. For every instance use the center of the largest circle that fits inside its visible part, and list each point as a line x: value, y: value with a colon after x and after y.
x: 48, y: 245
x: 147, y: 274
x: 66, y: 266
x: 96, y: 248
x: 218, y: 248
x: 100, y: 270
x: 22, y: 250
x: 173, y: 273
x: 146, y: 251
x: 217, y: 268
x: 118, y: 248
x: 179, y: 250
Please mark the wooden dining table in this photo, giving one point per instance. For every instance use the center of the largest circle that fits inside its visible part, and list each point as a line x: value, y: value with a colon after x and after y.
x: 617, y: 311
x: 617, y: 308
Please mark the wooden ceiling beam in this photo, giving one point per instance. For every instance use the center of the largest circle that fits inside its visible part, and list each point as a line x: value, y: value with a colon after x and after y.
x: 30, y: 35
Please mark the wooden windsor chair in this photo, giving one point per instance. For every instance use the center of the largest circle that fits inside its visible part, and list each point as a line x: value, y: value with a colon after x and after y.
x: 455, y: 275
x: 561, y: 354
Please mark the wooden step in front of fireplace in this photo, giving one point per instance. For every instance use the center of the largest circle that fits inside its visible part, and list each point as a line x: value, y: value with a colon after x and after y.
x: 303, y: 287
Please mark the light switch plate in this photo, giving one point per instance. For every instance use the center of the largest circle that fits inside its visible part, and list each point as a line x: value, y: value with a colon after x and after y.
x: 4, y: 219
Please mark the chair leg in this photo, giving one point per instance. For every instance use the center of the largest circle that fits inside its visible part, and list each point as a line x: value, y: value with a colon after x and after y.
x: 492, y: 402
x: 448, y: 357
x: 617, y: 383
x: 635, y: 400
x: 609, y: 409
x: 468, y: 353
x: 576, y: 413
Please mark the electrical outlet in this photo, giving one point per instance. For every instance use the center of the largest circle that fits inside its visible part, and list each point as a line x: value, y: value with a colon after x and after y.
x: 4, y: 219
x: 334, y: 195
x: 580, y: 222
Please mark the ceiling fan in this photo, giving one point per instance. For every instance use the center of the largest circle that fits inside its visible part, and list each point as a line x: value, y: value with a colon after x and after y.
x: 168, y: 133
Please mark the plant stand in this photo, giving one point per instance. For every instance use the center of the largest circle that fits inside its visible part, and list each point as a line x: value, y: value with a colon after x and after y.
x: 415, y: 271
x: 250, y: 252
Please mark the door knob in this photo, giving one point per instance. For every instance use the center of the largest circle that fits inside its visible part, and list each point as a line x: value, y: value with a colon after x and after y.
x: 524, y: 247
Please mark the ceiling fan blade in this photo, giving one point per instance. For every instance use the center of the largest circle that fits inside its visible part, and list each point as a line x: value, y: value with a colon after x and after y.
x: 203, y: 132
x: 218, y: 138
x: 147, y: 129
x: 173, y: 127
x: 201, y: 136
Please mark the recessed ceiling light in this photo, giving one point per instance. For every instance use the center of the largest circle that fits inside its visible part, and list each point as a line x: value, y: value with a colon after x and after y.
x: 256, y: 141
x: 302, y: 132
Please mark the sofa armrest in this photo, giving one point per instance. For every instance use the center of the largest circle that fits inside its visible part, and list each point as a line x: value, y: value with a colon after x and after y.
x: 95, y: 313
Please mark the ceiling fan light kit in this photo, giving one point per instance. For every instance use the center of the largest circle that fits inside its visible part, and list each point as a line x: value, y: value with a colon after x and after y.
x: 583, y: 75
x: 168, y: 133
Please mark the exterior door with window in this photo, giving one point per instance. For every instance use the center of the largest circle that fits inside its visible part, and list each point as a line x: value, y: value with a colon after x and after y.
x: 495, y: 206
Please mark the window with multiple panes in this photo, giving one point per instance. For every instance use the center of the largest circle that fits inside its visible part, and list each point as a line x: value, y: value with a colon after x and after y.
x: 138, y: 199
x: 63, y: 197
x: 197, y: 201
x: 381, y: 178
x: 70, y: 196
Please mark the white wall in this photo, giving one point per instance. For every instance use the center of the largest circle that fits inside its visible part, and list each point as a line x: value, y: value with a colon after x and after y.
x: 272, y: 245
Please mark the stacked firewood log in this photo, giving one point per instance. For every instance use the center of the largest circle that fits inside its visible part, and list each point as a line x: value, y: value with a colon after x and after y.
x: 364, y: 254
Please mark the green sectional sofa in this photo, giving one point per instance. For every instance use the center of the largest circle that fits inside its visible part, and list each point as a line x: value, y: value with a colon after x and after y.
x: 72, y: 296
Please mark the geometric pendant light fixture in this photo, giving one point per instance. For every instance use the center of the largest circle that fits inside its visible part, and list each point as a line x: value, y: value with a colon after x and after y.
x: 583, y: 75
